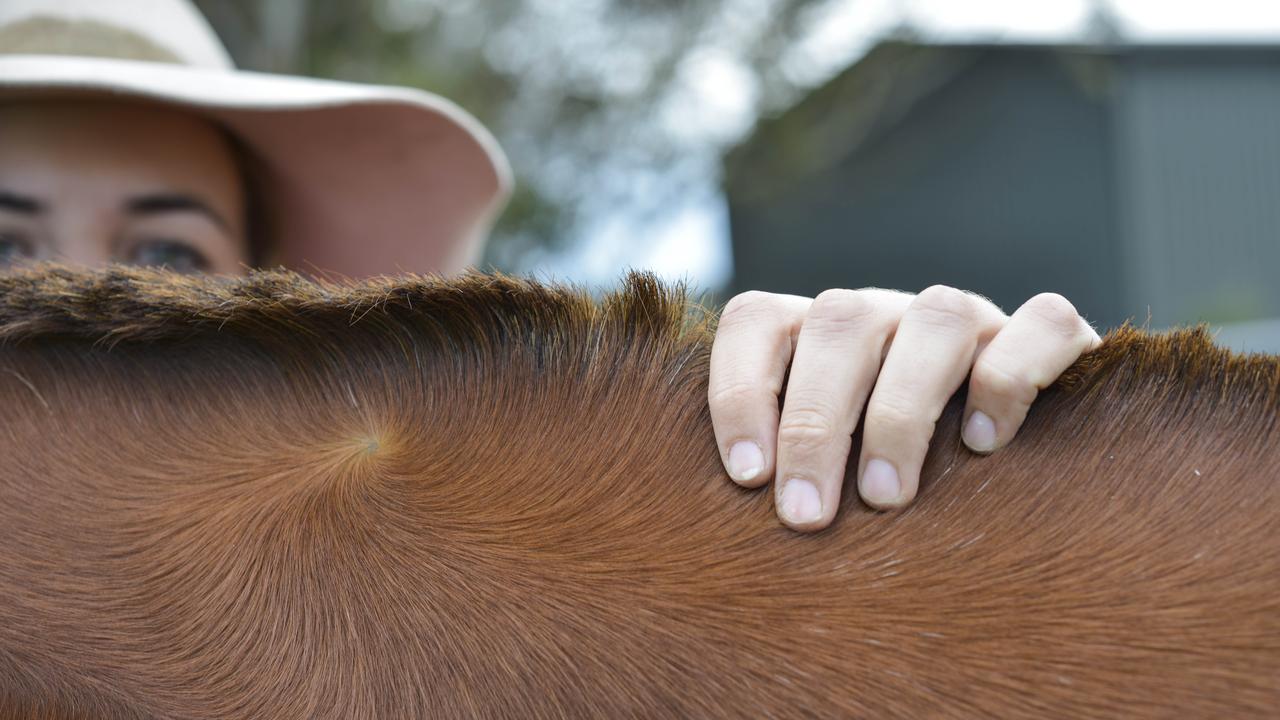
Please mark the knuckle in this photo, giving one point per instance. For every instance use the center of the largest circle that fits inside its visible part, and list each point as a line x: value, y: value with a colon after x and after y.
x: 842, y: 306
x: 840, y: 311
x: 807, y: 428
x: 944, y: 306
x: 990, y: 379
x: 748, y: 306
x: 891, y: 415
x: 734, y: 394
x: 1056, y: 312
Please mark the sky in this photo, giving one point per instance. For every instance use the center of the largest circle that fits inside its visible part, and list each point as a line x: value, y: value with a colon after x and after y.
x: 691, y: 242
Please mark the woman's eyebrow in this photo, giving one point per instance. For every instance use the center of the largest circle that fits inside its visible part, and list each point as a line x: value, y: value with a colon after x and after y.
x: 173, y: 202
x: 20, y: 203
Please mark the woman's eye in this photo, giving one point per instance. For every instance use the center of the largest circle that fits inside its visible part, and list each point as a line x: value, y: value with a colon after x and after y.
x: 170, y: 254
x: 13, y: 248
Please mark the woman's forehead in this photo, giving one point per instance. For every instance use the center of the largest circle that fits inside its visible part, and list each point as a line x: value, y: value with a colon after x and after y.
x: 103, y: 126
x: 56, y: 145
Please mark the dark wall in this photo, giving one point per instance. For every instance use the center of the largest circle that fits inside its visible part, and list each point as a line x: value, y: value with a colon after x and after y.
x: 999, y: 183
x: 1198, y: 153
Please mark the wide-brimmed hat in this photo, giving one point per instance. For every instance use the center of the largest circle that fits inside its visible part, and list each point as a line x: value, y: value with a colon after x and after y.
x: 356, y: 179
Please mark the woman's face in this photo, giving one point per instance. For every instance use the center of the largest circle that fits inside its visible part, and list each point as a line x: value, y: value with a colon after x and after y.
x: 95, y: 182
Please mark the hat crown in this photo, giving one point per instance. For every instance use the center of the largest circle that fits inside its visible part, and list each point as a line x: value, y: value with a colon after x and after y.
x: 170, y: 31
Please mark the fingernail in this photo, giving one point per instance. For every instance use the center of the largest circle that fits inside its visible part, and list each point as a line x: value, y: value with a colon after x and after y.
x: 745, y: 461
x: 980, y: 432
x: 800, y: 502
x: 880, y: 485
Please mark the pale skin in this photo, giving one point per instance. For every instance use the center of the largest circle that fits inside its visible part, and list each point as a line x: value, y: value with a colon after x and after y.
x: 889, y: 358
x: 93, y: 182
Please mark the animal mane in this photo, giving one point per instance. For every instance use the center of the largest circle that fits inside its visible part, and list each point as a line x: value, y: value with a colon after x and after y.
x: 279, y: 497
x: 133, y: 305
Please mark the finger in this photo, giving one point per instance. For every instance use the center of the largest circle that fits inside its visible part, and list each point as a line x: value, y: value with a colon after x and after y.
x: 835, y: 365
x: 1041, y: 340
x: 930, y: 356
x: 749, y: 358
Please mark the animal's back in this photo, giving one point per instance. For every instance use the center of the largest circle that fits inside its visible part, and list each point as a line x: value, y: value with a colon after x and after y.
x: 493, y: 498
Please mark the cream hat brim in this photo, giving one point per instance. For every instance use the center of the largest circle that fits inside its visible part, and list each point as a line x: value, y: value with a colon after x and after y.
x: 358, y: 180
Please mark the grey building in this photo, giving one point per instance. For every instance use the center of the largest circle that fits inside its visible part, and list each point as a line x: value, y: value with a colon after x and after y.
x: 1132, y: 179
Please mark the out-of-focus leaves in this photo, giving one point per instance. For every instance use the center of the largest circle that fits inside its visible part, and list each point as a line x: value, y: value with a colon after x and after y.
x: 589, y: 97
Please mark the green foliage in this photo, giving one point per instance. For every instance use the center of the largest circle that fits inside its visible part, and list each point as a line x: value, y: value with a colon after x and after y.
x: 581, y: 93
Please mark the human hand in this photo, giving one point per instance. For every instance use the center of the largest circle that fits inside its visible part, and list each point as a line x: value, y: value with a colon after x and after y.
x: 914, y: 350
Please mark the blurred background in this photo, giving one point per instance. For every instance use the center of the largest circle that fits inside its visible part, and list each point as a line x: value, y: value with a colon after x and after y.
x: 1125, y: 153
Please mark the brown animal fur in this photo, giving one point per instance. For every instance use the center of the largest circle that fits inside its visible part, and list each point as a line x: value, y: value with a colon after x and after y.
x: 488, y: 497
